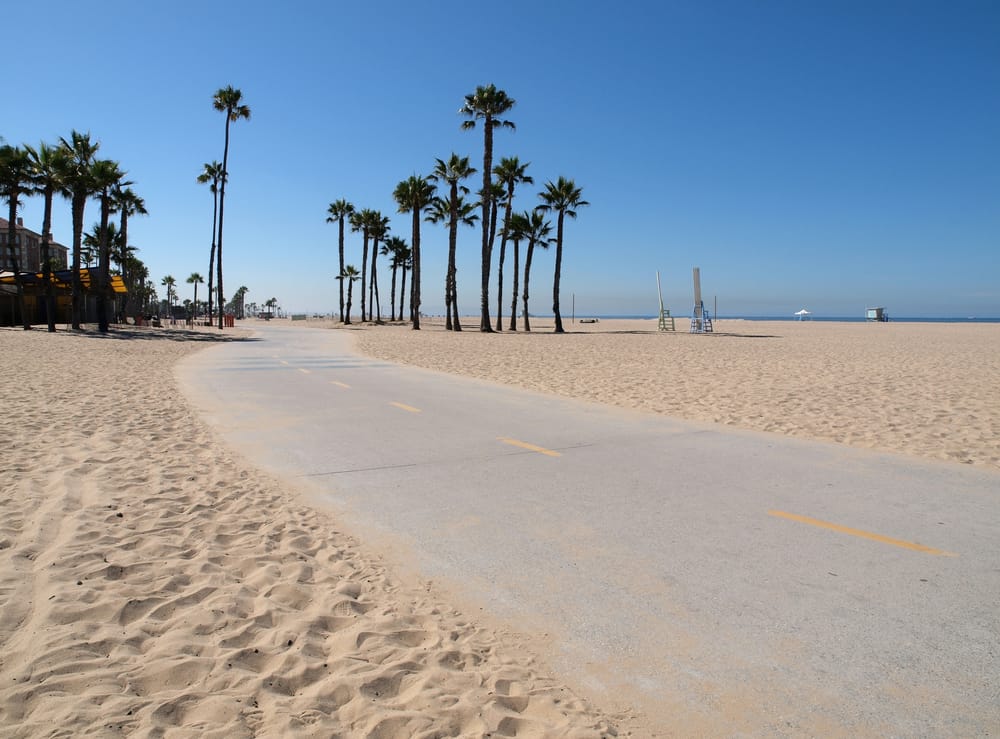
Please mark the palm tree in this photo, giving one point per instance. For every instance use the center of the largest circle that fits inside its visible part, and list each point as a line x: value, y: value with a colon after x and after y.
x: 391, y: 249
x: 452, y: 213
x: 349, y: 273
x: 453, y: 171
x: 510, y: 172
x: 47, y: 161
x: 240, y: 300
x: 562, y: 196
x: 77, y: 185
x: 338, y: 212
x: 230, y: 101
x: 16, y: 179
x: 536, y: 229
x: 377, y: 230
x: 195, y: 279
x: 405, y: 258
x: 271, y: 304
x: 169, y: 282
x: 212, y: 173
x: 361, y: 221
x: 488, y: 104
x: 413, y: 195
x: 125, y: 202
x: 106, y: 175
x: 515, y: 231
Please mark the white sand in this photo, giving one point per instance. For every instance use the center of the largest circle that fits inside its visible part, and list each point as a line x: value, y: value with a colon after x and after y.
x: 154, y: 584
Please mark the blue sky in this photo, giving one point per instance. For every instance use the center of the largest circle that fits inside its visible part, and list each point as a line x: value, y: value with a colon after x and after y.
x: 830, y: 155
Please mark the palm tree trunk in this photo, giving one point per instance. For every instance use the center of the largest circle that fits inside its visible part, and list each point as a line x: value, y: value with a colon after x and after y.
x: 374, y: 285
x: 103, y: 264
x: 402, y: 294
x: 347, y: 316
x: 392, y: 298
x: 364, y: 275
x: 211, y: 258
x: 79, y: 203
x: 527, y: 276
x: 503, y: 254
x: 415, y: 277
x: 50, y: 300
x: 341, y: 250
x: 558, y: 275
x: 376, y: 305
x: 484, y: 320
x: 513, y: 302
x: 222, y: 207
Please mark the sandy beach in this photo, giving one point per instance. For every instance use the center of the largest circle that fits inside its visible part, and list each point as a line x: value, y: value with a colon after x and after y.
x: 930, y: 390
x: 153, y: 583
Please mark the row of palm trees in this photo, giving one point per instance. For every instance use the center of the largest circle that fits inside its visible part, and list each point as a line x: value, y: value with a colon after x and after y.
x: 237, y: 305
x: 418, y: 197
x: 73, y: 170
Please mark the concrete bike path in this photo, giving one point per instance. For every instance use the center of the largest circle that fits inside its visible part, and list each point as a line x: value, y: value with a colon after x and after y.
x: 722, y: 581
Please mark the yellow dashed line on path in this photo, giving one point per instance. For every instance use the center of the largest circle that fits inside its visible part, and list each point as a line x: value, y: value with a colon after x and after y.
x: 303, y: 370
x: 862, y: 534
x: 529, y: 447
x: 405, y: 407
x: 340, y: 384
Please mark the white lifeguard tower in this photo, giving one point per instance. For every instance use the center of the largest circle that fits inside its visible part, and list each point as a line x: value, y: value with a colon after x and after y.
x: 701, y: 319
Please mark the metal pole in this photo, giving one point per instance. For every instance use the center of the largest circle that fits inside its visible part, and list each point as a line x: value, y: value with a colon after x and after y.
x: 574, y: 307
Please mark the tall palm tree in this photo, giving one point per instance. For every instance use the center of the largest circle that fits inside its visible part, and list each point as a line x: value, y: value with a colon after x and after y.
x: 536, y: 229
x: 16, y: 179
x: 338, y: 212
x: 77, y: 185
x: 487, y: 103
x: 413, y: 195
x: 452, y: 213
x: 361, y: 221
x: 564, y: 197
x: 106, y: 174
x: 169, y: 282
x: 228, y: 100
x: 195, y: 279
x: 349, y: 273
x: 126, y: 203
x: 47, y: 161
x: 453, y: 172
x: 515, y: 231
x: 212, y: 174
x: 391, y: 249
x: 378, y: 230
x: 510, y: 173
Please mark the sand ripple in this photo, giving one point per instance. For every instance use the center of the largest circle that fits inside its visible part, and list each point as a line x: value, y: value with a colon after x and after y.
x: 152, y: 583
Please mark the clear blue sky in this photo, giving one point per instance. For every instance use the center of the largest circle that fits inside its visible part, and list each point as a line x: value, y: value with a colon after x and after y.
x: 828, y: 155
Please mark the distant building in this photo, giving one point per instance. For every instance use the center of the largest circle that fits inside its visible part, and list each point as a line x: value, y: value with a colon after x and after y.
x: 29, y: 249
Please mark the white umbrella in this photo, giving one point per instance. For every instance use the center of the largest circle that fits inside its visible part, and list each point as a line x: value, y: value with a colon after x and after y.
x: 802, y: 313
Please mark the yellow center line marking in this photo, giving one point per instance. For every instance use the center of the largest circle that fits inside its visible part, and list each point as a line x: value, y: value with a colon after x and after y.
x: 405, y: 407
x: 283, y: 361
x: 340, y: 384
x: 863, y: 534
x: 303, y: 370
x: 529, y: 447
